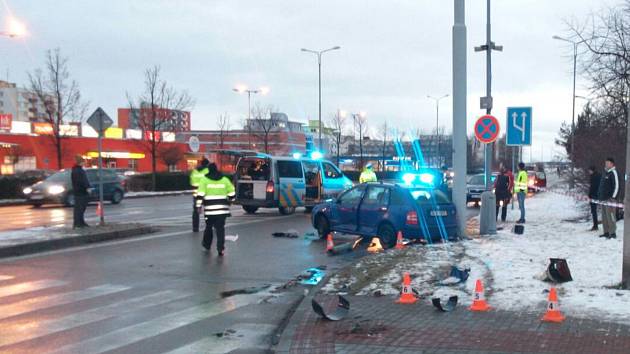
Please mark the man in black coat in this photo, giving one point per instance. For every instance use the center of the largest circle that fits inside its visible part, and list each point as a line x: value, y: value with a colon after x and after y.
x: 593, y: 192
x: 80, y: 189
x: 502, y: 192
x: 608, y: 192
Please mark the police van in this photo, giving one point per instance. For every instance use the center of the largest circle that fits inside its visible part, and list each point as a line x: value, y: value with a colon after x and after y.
x: 265, y: 181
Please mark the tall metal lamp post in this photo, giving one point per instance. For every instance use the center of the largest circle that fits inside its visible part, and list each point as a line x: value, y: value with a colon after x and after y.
x: 243, y: 89
x: 437, y: 126
x: 575, y: 45
x: 319, y: 67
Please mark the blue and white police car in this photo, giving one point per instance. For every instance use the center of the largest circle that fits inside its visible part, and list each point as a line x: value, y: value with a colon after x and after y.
x: 417, y: 206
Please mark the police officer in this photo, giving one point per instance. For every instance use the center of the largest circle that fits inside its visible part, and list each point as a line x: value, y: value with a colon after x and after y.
x: 195, y: 176
x: 520, y: 188
x: 367, y: 175
x: 215, y: 192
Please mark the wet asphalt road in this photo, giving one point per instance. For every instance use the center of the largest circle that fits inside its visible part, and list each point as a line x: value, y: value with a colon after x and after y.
x: 158, y: 293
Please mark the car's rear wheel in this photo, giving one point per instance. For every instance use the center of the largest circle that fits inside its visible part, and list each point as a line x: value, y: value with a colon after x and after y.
x: 287, y: 210
x: 69, y: 200
x: 117, y: 197
x: 322, y: 225
x: 250, y: 209
x: 387, y: 234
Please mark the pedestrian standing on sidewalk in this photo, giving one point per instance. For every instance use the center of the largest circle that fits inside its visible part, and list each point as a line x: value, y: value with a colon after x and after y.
x: 593, y: 192
x: 216, y: 192
x: 520, y: 188
x: 80, y: 191
x: 195, y: 176
x: 502, y: 193
x: 608, y: 191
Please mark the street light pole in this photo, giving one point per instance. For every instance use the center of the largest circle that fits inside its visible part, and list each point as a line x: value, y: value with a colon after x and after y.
x: 319, y: 75
x: 575, y: 45
x: 242, y: 89
x: 438, y: 158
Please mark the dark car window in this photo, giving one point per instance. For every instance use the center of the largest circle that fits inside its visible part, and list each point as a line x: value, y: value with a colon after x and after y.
x: 353, y: 196
x: 376, y: 196
x: 428, y: 196
x: 476, y: 180
x: 398, y: 197
x: 331, y: 171
x: 108, y: 175
x: 289, y: 169
x: 63, y: 176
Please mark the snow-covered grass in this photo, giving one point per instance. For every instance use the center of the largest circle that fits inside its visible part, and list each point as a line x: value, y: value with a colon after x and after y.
x: 511, y: 265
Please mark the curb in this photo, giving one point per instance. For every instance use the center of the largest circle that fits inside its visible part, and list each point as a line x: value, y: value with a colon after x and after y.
x: 73, y: 241
x: 285, y: 333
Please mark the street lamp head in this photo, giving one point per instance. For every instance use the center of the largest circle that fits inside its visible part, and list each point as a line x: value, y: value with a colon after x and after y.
x: 343, y: 114
x: 336, y: 47
x: 362, y: 114
x: 15, y: 28
x: 240, y: 88
x: 264, y: 90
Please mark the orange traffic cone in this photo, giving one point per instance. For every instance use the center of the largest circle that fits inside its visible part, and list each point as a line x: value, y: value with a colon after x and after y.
x: 407, y: 296
x: 375, y: 245
x: 479, y: 300
x: 329, y: 243
x: 99, y: 209
x: 399, y: 241
x: 553, y: 310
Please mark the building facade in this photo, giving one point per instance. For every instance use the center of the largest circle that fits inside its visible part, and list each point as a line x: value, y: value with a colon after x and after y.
x: 167, y: 120
x: 21, y: 105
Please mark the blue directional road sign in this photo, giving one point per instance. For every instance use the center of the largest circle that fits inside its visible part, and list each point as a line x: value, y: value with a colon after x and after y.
x: 519, y: 126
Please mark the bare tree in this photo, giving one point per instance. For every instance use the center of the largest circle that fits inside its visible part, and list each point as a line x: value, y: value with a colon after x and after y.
x: 263, y: 123
x: 170, y: 155
x: 361, y: 125
x: 154, y: 111
x: 338, y: 125
x: 59, y: 95
x: 223, y: 123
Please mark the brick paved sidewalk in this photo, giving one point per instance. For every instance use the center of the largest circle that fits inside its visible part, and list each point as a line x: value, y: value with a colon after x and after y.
x: 378, y: 325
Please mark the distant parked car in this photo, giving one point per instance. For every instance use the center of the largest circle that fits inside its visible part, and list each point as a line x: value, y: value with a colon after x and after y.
x: 536, y: 180
x: 475, y: 186
x: 58, y: 188
x: 383, y: 209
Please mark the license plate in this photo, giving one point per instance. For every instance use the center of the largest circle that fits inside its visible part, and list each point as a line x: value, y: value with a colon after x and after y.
x: 37, y: 197
x: 439, y: 213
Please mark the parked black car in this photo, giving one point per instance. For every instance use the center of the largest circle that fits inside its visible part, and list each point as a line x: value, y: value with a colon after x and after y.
x: 58, y: 188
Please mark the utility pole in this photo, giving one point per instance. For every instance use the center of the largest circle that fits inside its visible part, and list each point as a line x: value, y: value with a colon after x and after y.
x: 459, y: 114
x: 488, y: 223
x: 438, y: 157
x: 625, y: 273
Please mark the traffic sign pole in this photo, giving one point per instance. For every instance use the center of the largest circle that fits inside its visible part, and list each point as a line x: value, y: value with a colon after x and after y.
x: 100, y: 121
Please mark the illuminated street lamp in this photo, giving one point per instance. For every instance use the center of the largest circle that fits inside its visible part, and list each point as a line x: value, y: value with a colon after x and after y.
x: 15, y: 28
x: 319, y: 65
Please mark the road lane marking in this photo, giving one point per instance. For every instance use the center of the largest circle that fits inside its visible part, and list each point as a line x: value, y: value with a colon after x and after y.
x: 27, y: 287
x: 43, y: 302
x: 6, y: 277
x: 40, y: 328
x: 160, y: 325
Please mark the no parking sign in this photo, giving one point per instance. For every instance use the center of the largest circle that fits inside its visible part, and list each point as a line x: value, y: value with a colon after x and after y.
x: 487, y: 129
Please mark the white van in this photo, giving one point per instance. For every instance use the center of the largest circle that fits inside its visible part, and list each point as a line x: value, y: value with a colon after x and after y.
x: 264, y: 181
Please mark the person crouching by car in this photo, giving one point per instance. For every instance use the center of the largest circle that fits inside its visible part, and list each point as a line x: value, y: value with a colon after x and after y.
x: 81, y: 192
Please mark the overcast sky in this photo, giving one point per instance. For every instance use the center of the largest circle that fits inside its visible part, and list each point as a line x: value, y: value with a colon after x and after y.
x: 393, y: 54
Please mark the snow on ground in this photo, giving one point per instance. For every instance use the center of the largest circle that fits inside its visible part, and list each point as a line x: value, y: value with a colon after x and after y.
x: 510, y: 265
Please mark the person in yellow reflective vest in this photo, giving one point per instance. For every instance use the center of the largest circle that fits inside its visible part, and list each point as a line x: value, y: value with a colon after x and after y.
x: 215, y: 193
x: 520, y: 188
x: 367, y: 175
x: 195, y: 176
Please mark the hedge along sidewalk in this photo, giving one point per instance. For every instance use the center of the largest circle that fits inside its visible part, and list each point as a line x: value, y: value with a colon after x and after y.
x: 42, y: 239
x: 128, y: 195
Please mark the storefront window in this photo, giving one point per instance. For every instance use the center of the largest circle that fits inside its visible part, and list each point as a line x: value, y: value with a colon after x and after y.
x: 133, y: 164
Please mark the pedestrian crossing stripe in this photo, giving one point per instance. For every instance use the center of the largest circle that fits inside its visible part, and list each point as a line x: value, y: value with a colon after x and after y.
x: 16, y: 289
x: 5, y: 277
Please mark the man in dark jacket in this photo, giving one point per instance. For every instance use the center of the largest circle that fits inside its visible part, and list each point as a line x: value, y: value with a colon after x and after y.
x: 608, y: 191
x: 195, y: 177
x: 593, y: 191
x: 80, y: 190
x: 502, y: 192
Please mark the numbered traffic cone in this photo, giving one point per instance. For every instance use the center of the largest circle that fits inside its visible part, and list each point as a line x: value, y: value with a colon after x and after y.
x: 479, y: 299
x: 399, y: 241
x: 329, y: 243
x: 375, y: 245
x: 553, y: 310
x: 99, y: 209
x: 407, y: 296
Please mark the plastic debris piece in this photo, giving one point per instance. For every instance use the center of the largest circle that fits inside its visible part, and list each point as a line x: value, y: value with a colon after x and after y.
x: 311, y: 276
x: 232, y: 238
x: 343, y: 307
x: 285, y: 234
x: 448, y: 307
